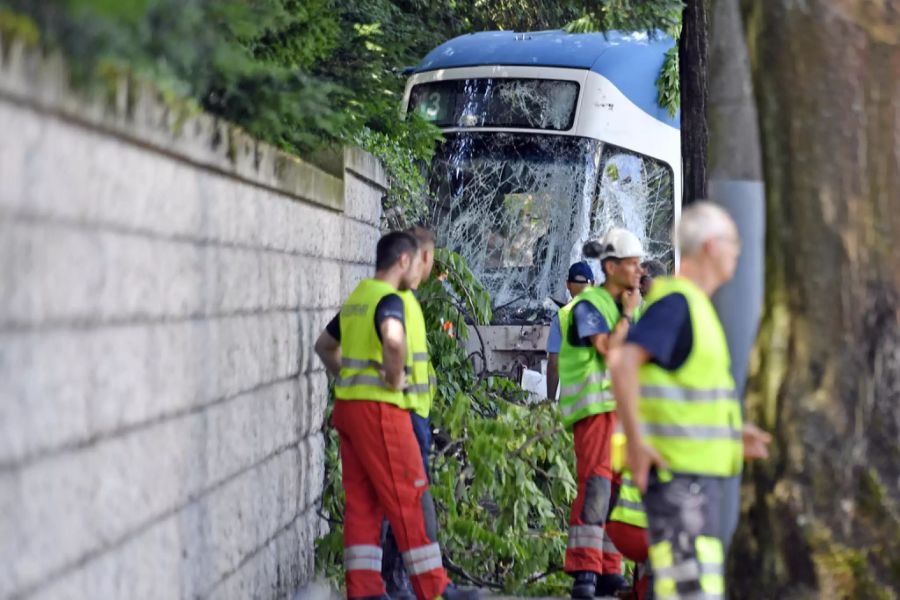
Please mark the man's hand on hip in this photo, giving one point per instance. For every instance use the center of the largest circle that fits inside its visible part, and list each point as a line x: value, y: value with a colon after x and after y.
x: 641, y: 457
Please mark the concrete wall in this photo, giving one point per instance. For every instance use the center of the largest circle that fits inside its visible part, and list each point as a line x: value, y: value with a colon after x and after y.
x: 162, y: 280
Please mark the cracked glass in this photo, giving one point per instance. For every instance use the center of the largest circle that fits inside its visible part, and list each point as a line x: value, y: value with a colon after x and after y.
x: 522, y: 103
x: 520, y: 206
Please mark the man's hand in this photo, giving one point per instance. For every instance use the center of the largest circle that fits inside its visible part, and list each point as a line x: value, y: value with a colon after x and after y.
x: 631, y: 299
x: 755, y: 442
x: 641, y: 457
x: 552, y: 375
x: 329, y: 351
x: 398, y: 384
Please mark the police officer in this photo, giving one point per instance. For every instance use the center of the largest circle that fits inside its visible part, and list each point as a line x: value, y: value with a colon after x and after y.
x: 383, y: 473
x: 591, y: 324
x: 684, y: 437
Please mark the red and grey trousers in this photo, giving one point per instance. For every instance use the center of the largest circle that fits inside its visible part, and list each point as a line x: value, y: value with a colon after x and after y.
x: 383, y: 475
x: 589, y: 547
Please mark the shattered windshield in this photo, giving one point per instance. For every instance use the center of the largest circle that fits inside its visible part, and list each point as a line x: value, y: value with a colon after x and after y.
x: 502, y: 102
x: 636, y: 192
x: 518, y: 207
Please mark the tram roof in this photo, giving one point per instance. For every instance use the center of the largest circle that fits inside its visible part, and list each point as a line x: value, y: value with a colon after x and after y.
x: 631, y: 61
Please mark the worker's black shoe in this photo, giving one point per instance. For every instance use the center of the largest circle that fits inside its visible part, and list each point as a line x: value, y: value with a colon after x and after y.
x: 585, y: 584
x: 610, y: 584
x: 451, y: 592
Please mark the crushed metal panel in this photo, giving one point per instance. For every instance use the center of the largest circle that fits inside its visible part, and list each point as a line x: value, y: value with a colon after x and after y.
x: 509, y: 348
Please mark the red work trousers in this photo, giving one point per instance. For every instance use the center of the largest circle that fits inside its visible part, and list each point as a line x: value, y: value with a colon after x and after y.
x: 589, y: 547
x: 634, y: 543
x: 383, y: 475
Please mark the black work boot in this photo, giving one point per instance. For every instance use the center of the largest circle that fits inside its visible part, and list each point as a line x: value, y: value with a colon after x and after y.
x: 451, y: 592
x: 610, y: 584
x: 585, y: 584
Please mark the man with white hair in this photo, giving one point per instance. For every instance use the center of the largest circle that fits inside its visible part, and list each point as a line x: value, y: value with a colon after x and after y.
x: 676, y: 401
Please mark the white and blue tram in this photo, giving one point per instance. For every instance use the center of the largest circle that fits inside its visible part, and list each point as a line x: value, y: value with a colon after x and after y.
x: 551, y: 139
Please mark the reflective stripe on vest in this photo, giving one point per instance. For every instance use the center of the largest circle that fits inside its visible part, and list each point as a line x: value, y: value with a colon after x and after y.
x: 361, y: 349
x: 422, y: 559
x: 629, y: 507
x: 630, y: 504
x: 691, y: 415
x: 362, y: 558
x: 360, y: 380
x: 352, y: 363
x: 677, y: 394
x: 584, y: 383
x: 587, y: 401
x: 697, y: 432
x: 577, y: 388
x: 690, y: 570
x: 416, y: 388
x: 705, y: 567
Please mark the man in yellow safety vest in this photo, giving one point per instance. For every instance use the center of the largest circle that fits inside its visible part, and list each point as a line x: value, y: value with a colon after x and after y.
x: 676, y: 400
x: 382, y: 468
x: 594, y: 322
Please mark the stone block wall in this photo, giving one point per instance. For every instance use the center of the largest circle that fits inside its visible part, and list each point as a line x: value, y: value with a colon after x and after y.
x: 162, y: 280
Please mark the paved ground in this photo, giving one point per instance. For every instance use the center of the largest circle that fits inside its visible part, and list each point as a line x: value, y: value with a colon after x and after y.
x: 493, y: 597
x: 490, y: 597
x: 320, y: 590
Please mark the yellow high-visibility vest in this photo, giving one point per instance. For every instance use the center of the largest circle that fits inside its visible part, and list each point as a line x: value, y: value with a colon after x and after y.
x: 691, y: 415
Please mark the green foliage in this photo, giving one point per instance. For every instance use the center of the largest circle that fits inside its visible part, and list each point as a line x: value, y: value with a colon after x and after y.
x: 502, y: 475
x: 633, y: 15
x: 668, y: 83
x: 230, y: 56
x: 520, y: 15
x: 403, y: 154
x: 18, y: 26
x: 640, y: 15
x: 456, y: 281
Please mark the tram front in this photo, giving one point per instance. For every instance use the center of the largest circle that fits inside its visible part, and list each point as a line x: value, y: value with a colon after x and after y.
x: 549, y: 141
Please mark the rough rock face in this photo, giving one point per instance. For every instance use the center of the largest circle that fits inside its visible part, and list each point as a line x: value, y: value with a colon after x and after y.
x: 822, y: 517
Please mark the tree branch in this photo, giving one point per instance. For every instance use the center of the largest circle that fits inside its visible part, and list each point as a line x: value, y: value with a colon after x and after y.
x: 549, y: 572
x: 331, y: 520
x: 533, y: 440
x: 456, y: 569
